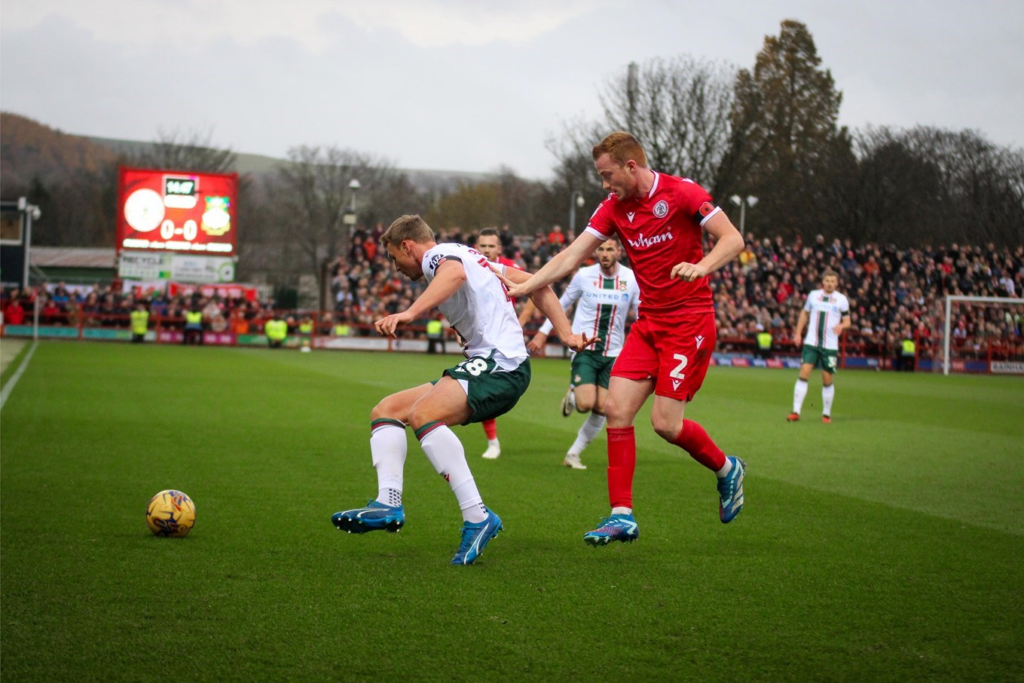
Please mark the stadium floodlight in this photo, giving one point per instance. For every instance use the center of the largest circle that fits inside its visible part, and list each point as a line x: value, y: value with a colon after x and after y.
x: 350, y: 215
x: 354, y: 186
x: 575, y: 199
x: 743, y: 202
x: 32, y: 213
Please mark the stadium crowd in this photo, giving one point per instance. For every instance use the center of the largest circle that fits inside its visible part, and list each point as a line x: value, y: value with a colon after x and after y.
x: 894, y: 293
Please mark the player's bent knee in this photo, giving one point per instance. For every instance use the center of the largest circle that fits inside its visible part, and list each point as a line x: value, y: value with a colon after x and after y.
x: 667, y: 431
x: 617, y: 417
x: 387, y: 408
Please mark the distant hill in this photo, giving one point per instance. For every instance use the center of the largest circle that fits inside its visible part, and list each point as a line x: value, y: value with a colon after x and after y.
x: 31, y: 149
x: 259, y: 164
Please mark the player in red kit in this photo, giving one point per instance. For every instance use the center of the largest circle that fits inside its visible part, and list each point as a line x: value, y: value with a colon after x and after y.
x: 660, y: 220
x: 488, y: 243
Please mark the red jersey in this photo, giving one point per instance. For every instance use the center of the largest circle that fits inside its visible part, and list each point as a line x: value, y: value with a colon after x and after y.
x: 659, y: 231
x: 508, y: 263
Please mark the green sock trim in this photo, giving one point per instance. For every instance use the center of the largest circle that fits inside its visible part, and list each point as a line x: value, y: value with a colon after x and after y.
x: 386, y: 421
x: 427, y: 428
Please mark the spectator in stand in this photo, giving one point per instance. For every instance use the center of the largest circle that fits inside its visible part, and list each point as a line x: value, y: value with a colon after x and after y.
x: 14, y: 314
x: 51, y: 313
x: 556, y: 236
x: 239, y: 324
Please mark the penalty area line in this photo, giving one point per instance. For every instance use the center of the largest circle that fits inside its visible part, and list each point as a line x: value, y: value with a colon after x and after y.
x: 16, y: 376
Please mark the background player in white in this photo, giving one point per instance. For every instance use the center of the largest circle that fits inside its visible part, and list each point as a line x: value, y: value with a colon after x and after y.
x: 496, y: 372
x: 828, y: 314
x: 604, y: 294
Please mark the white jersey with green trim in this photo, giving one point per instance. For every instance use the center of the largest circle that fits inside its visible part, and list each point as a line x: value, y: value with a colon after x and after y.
x: 480, y: 310
x: 602, y: 305
x: 824, y: 312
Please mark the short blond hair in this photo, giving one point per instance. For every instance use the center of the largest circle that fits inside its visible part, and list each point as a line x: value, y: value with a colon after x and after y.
x: 828, y: 272
x: 408, y: 227
x: 621, y: 147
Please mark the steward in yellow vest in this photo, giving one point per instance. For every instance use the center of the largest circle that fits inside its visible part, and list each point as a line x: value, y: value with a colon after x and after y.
x: 277, y: 331
x: 764, y: 344
x: 193, y: 327
x: 435, y: 335
x: 140, y: 323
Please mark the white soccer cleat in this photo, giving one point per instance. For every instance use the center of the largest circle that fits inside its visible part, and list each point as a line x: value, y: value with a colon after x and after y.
x: 569, y: 402
x: 492, y: 452
x: 573, y: 460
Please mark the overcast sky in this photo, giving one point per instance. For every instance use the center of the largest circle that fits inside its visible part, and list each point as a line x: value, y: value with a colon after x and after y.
x: 473, y: 85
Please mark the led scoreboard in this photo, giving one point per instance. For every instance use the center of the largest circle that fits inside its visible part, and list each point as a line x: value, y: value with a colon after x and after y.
x: 182, y: 212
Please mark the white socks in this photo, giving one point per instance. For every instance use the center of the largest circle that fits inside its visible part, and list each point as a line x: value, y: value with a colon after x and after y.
x: 388, y: 446
x: 588, y: 430
x: 799, y: 393
x: 726, y: 469
x: 446, y: 454
x: 827, y: 394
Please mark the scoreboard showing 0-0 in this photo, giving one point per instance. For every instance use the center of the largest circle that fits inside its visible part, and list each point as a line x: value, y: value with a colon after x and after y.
x: 177, y: 211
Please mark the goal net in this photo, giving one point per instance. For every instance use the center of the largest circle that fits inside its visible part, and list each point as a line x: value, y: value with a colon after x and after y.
x: 980, y: 334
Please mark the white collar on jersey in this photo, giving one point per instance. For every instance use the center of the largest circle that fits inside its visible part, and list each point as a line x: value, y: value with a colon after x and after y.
x: 654, y: 185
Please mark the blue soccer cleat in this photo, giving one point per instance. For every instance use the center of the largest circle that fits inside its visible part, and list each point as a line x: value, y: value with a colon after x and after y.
x: 730, y: 491
x: 613, y: 528
x: 475, y: 538
x: 374, y: 517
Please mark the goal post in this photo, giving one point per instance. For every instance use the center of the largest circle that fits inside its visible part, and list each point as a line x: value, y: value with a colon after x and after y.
x: 997, y: 334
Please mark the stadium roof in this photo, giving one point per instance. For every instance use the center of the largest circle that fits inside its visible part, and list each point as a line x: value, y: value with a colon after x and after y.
x: 73, y: 257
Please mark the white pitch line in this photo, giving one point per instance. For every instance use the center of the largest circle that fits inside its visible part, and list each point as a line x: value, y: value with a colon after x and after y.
x: 17, y: 375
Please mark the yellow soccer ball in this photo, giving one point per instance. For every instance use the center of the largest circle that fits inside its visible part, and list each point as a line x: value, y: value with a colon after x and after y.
x: 171, y: 513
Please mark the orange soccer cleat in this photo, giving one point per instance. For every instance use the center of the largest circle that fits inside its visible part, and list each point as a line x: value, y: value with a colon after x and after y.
x: 793, y: 417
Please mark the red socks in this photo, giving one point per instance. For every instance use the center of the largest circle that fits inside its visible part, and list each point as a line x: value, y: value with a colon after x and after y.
x: 490, y: 429
x: 621, y: 463
x: 695, y: 441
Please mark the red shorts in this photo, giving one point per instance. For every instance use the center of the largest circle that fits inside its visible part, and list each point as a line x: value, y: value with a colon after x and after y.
x: 675, y: 352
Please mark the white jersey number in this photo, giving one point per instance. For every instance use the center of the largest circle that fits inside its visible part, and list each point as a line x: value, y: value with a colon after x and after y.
x: 473, y: 366
x: 678, y: 372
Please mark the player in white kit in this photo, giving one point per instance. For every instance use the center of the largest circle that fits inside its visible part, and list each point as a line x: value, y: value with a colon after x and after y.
x: 604, y: 295
x: 496, y: 372
x: 826, y: 314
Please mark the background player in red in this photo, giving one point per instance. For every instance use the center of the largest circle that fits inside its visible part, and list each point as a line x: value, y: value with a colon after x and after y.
x: 488, y: 243
x: 660, y: 221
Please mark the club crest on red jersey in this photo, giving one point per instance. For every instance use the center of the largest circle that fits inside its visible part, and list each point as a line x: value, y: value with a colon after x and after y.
x: 661, y: 209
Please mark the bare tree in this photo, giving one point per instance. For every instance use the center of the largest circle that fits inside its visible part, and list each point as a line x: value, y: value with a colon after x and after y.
x: 926, y: 185
x: 679, y: 109
x: 190, y: 150
x: 311, y: 196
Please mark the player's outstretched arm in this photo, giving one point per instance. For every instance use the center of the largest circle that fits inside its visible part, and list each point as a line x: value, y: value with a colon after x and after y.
x: 728, y: 245
x: 559, y: 266
x: 548, y: 304
x: 450, y: 276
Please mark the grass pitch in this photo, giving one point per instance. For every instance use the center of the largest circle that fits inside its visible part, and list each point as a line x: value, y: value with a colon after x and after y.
x: 885, y: 546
